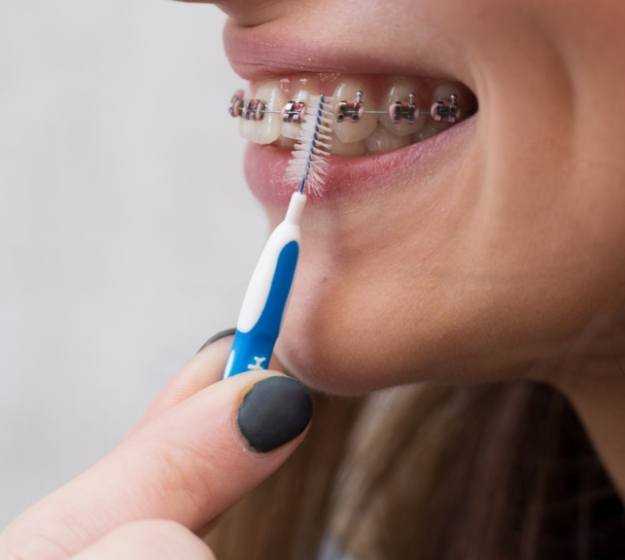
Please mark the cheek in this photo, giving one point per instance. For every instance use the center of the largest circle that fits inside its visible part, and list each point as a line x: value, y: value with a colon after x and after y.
x: 507, y: 269
x: 479, y: 286
x: 376, y: 299
x: 375, y: 324
x: 379, y: 324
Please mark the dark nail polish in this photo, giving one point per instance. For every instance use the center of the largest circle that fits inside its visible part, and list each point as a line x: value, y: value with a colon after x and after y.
x: 216, y: 337
x: 275, y: 411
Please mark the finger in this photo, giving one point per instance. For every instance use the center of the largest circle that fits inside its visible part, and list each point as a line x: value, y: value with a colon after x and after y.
x: 204, y: 369
x: 153, y: 539
x: 187, y: 465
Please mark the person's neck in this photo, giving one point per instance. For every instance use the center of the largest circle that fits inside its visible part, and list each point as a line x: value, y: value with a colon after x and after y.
x: 595, y: 385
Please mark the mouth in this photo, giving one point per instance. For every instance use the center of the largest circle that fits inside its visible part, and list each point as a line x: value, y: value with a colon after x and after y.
x: 384, y: 123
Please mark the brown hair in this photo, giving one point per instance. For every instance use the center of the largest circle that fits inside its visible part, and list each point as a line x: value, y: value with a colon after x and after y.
x: 493, y: 472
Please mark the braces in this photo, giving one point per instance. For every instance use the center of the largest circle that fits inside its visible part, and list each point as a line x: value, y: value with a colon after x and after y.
x: 443, y: 109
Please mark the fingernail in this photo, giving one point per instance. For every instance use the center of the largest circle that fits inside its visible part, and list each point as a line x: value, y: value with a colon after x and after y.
x: 275, y: 411
x: 216, y: 337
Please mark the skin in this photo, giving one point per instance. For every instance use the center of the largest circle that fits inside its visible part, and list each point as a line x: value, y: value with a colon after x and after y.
x: 505, y: 262
x: 178, y: 469
x: 507, y: 259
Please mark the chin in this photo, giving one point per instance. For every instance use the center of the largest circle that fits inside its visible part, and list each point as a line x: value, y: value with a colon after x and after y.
x: 344, y: 336
x: 359, y: 323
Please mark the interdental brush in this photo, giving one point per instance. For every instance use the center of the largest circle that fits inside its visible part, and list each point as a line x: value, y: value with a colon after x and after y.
x: 268, y: 291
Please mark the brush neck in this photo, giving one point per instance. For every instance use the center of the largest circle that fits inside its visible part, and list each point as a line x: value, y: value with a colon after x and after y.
x: 296, y: 208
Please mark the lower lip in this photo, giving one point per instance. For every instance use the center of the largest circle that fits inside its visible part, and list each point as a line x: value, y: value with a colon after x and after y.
x: 265, y: 167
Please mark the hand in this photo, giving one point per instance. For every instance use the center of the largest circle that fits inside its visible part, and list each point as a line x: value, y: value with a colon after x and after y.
x: 201, y: 445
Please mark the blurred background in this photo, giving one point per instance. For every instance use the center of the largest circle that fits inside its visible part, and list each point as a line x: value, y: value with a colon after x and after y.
x: 127, y: 234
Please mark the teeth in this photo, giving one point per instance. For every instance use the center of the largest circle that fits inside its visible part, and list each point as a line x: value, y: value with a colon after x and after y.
x: 268, y: 129
x: 443, y: 91
x: 292, y: 130
x: 381, y: 140
x: 288, y: 143
x: 349, y: 131
x: 399, y: 91
x: 373, y: 133
x: 348, y: 148
x: 432, y: 128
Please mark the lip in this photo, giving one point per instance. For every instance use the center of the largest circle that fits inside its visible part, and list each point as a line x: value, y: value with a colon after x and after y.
x: 265, y: 51
x: 265, y: 167
x: 271, y: 50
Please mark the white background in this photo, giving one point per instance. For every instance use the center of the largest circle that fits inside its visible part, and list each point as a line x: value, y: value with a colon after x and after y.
x: 126, y: 232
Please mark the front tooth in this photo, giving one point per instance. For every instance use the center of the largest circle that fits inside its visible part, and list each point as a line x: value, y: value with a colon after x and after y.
x: 383, y: 141
x: 348, y: 148
x: 399, y: 91
x: 292, y: 130
x: 349, y: 131
x: 267, y: 130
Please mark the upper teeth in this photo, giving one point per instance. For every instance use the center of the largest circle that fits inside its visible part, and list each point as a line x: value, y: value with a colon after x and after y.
x: 398, y: 91
x: 412, y: 114
x: 291, y: 129
x: 348, y: 130
x: 268, y: 129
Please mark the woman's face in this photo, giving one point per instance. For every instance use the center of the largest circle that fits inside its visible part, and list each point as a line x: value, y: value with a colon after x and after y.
x: 474, y: 253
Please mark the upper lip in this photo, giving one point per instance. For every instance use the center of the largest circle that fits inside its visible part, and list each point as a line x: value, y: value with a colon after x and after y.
x: 262, y: 52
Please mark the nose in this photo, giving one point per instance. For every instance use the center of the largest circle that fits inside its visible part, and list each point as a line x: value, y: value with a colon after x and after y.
x: 249, y: 13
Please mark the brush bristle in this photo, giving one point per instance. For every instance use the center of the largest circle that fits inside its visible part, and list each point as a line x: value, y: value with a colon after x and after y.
x: 307, y: 167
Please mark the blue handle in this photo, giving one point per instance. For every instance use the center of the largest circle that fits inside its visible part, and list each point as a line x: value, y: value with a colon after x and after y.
x: 251, y: 350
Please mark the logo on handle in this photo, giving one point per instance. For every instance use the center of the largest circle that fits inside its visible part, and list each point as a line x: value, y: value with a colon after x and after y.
x: 259, y: 360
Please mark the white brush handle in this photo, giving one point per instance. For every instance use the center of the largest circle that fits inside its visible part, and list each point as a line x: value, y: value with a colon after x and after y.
x: 267, y: 295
